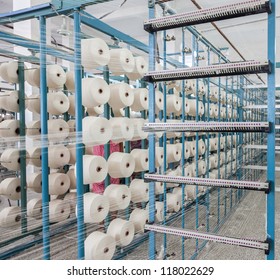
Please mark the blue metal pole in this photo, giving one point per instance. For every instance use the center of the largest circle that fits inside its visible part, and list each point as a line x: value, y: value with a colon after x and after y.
x: 152, y: 48
x: 44, y: 135
x: 79, y: 130
x: 271, y: 136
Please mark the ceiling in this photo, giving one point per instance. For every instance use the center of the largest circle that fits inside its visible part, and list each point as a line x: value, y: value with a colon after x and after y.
x: 247, y: 34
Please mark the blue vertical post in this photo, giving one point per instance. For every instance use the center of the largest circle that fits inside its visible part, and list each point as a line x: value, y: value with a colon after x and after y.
x: 23, y: 197
x: 271, y: 136
x: 183, y: 145
x: 152, y: 47
x: 79, y: 130
x: 44, y: 136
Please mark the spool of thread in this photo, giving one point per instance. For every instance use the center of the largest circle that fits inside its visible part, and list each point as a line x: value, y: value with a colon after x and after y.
x: 59, y: 210
x: 159, y: 156
x: 33, y: 103
x: 96, y: 131
x: 99, y: 246
x: 10, y: 101
x: 58, y: 103
x: 193, y: 148
x: 139, y: 134
x: 222, y: 158
x: 9, y: 72
x: 58, y: 156
x: 201, y: 147
x: 172, y: 173
x: 35, y: 158
x: 33, y: 128
x: 71, y: 198
x: 141, y: 67
x: 187, y: 150
x: 173, y: 202
x: 95, y: 92
x: 159, y: 101
x: 159, y: 213
x: 235, y: 101
x: 57, y: 129
x: 10, y: 188
x: 159, y: 188
x: 95, y: 111
x: 32, y: 76
x: 173, y: 85
x: 10, y: 217
x: 139, y: 217
x: 223, y: 113
x: 119, y: 196
x: 201, y: 168
x: 34, y: 182
x: 141, y: 158
x: 122, y: 231
x: 190, y: 87
x: 96, y: 207
x: 34, y: 208
x: 70, y: 81
x: 121, y: 96
x: 139, y: 191
x: 10, y: 159
x: 223, y: 97
x: 71, y: 110
x: 213, y: 161
x: 9, y: 128
x: 59, y: 183
x: 121, y: 61
x: 94, y: 53
x: 56, y: 77
x: 190, y: 108
x: 213, y: 175
x: 140, y: 102
x: 72, y: 126
x: 3, y: 71
x: 173, y: 104
x: 178, y: 192
x: 72, y: 177
x: 191, y: 191
x: 95, y: 169
x: 213, y: 143
x: 120, y: 165
x: 174, y: 154
x: 72, y: 151
x: 189, y: 171
x: 123, y: 129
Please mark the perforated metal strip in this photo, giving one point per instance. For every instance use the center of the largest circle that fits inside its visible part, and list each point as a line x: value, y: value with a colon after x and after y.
x: 208, y: 127
x: 217, y: 70
x: 241, y: 9
x: 222, y: 183
x: 248, y: 243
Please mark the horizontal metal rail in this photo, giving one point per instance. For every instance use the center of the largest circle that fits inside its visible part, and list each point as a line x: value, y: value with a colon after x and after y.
x: 221, y: 183
x: 248, y: 243
x: 208, y: 127
x: 235, y: 10
x: 216, y: 70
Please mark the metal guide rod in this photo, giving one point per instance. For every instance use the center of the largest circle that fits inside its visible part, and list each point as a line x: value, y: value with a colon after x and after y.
x: 222, y: 183
x: 261, y: 147
x: 248, y: 243
x: 259, y: 107
x: 44, y: 133
x: 208, y: 15
x: 216, y: 70
x: 208, y: 127
x: 259, y: 167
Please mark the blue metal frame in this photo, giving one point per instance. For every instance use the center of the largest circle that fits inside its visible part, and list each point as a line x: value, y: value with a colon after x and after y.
x: 44, y: 135
x: 271, y: 135
x: 79, y: 130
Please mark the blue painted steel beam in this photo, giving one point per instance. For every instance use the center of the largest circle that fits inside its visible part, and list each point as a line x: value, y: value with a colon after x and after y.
x: 54, y: 8
x: 79, y: 130
x: 44, y: 133
x: 152, y: 144
x: 271, y: 136
x: 34, y: 45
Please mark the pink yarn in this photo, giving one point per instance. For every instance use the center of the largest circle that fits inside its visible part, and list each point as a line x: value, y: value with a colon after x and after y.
x: 99, y: 151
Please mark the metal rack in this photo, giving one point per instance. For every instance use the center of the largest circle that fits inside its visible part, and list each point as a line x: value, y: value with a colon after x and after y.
x: 227, y: 69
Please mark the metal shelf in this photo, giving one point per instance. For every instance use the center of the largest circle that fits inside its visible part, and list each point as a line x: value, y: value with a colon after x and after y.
x: 217, y: 70
x: 235, y: 10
